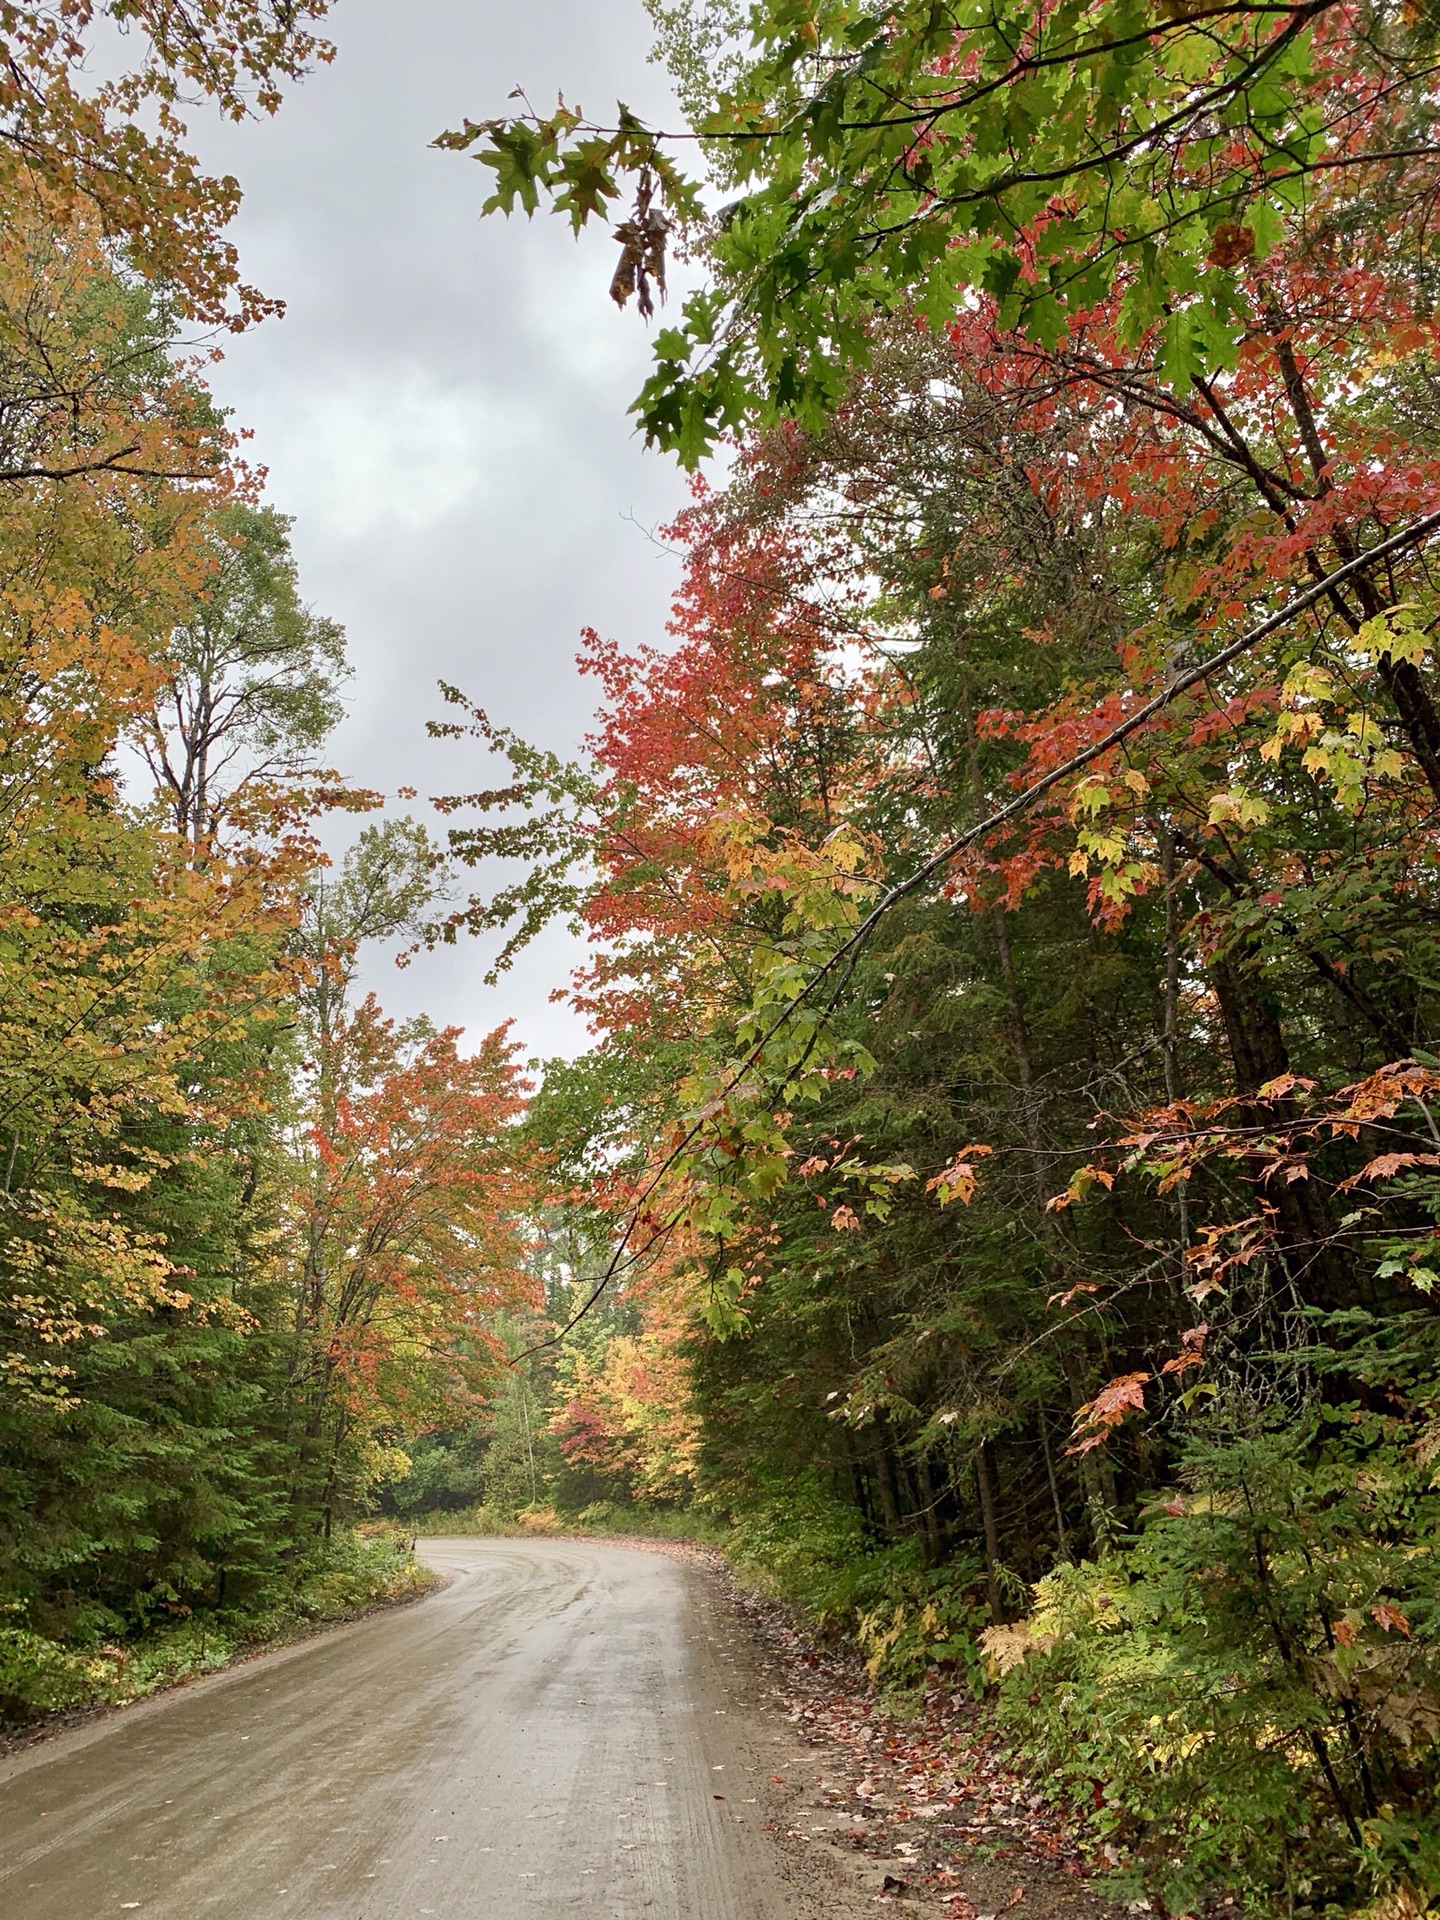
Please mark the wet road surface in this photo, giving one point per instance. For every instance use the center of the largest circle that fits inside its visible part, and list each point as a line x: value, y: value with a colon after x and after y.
x: 548, y: 1735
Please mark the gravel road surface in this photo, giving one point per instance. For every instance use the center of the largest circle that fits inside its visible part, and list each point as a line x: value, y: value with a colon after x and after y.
x: 564, y: 1729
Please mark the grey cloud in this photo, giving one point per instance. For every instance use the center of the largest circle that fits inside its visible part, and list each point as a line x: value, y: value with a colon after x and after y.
x: 443, y: 407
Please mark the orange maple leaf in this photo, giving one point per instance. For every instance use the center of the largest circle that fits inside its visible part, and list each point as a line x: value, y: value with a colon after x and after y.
x: 1387, y: 1615
x: 957, y: 1181
x: 1120, y: 1396
x: 1386, y: 1165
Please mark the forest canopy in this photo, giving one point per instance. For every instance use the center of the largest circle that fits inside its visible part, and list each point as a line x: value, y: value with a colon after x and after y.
x: 1000, y: 1198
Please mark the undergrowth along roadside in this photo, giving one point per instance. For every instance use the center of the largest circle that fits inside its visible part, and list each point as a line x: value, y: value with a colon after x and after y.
x: 605, y: 1519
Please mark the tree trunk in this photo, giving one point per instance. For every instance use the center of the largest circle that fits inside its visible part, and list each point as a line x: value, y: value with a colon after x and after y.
x: 984, y: 1475
x: 1171, y: 1046
x: 1062, y: 1534
x: 1304, y: 1226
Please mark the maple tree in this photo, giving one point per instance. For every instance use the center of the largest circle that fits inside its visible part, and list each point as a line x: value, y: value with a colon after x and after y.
x: 102, y: 927
x: 409, y: 1191
x: 112, y: 149
x: 624, y: 1413
x: 409, y: 1210
x: 1053, y: 158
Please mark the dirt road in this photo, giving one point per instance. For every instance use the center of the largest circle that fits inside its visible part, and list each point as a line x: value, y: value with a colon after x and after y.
x: 559, y: 1731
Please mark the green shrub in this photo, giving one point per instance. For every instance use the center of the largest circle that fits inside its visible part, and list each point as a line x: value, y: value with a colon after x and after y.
x: 165, y: 1659
x: 352, y: 1570
x: 1248, y: 1697
x: 359, y: 1566
x: 38, y: 1676
x: 480, y: 1522
x: 651, y: 1523
x: 907, y: 1618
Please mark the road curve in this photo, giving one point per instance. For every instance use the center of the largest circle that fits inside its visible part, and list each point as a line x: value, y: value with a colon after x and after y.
x: 550, y: 1734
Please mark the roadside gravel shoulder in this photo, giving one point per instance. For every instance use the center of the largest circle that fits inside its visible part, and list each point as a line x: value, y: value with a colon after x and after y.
x: 865, y: 1806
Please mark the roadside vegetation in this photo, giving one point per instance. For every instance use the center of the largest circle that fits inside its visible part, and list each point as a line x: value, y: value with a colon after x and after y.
x: 43, y: 1680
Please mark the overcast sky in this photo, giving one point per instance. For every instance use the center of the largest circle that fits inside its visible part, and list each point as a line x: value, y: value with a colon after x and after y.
x: 443, y: 408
